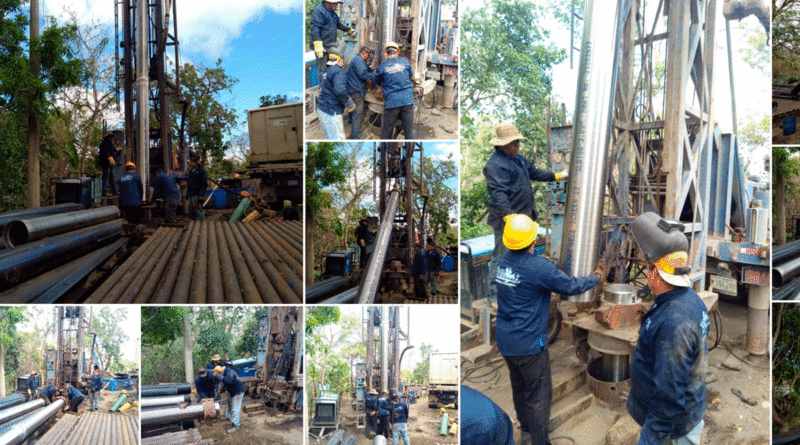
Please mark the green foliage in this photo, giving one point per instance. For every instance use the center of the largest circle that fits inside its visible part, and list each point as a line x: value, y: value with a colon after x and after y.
x: 247, y: 346
x: 10, y: 317
x: 325, y: 165
x: 277, y: 99
x: 421, y: 372
x: 211, y: 340
x: 786, y: 368
x: 161, y: 324
x: 442, y: 200
x: 108, y: 324
x: 318, y: 316
x: 785, y: 35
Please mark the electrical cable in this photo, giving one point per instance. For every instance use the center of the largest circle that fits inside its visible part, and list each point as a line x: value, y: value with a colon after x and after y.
x: 717, y: 329
x: 563, y: 438
x: 422, y: 101
x: 745, y: 361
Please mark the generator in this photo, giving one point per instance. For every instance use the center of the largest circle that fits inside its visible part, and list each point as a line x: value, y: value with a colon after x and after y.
x: 77, y: 190
x: 326, y: 410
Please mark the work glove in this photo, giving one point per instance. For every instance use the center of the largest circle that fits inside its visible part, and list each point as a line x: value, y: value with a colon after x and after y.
x: 562, y: 175
x: 29, y: 391
x: 194, y: 391
x: 361, y: 243
x: 601, y: 271
x: 318, y: 49
x: 219, y: 369
x: 351, y: 32
x: 507, y: 217
x: 112, y: 161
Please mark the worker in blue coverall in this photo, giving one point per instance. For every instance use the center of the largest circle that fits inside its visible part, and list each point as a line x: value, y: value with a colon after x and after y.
x: 399, y: 419
x: 433, y: 265
x: 483, y: 422
x: 371, y: 411
x: 95, y: 385
x: 109, y: 158
x: 524, y: 284
x: 395, y: 76
x: 235, y: 388
x: 324, y: 24
x: 32, y: 384
x: 419, y: 267
x: 668, y: 368
x: 73, y: 397
x: 333, y: 98
x: 216, y: 360
x: 130, y: 194
x: 47, y: 393
x: 508, y: 178
x: 384, y: 414
x: 204, y: 385
x: 358, y: 73
x: 196, y: 183
x: 366, y: 242
x: 164, y: 187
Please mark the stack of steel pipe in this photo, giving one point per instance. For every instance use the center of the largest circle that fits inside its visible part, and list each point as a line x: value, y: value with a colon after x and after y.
x: 168, y: 389
x: 15, y: 411
x: 12, y: 400
x: 434, y: 299
x: 785, y: 268
x: 29, y: 424
x: 326, y: 288
x: 149, y: 403
x: 210, y: 262
x: 93, y: 428
x: 173, y: 415
x: 186, y: 437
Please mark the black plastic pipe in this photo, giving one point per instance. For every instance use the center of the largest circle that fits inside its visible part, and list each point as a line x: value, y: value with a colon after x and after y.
x: 325, y: 288
x: 786, y: 252
x: 786, y: 292
x: 22, y: 231
x: 173, y: 415
x: 168, y: 390
x: 7, y: 217
x: 785, y: 272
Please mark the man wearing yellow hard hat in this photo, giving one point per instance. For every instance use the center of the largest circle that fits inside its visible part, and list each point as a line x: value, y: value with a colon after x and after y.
x: 525, y: 282
x: 668, y: 369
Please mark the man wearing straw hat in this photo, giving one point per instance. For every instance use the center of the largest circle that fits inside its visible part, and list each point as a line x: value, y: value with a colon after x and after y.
x: 508, y: 178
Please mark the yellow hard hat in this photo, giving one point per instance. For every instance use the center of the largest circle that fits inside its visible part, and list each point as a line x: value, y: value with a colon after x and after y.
x: 520, y: 231
x: 130, y: 164
x: 391, y: 45
x: 673, y: 269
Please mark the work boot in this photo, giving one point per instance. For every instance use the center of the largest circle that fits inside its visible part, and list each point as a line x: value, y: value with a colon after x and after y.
x: 232, y: 430
x: 526, y: 439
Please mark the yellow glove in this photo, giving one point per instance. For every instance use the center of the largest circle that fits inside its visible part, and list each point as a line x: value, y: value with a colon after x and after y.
x: 351, y: 108
x: 507, y: 217
x: 361, y: 243
x: 111, y: 161
x: 318, y: 49
x: 194, y: 391
x: 29, y: 391
x: 219, y: 369
x: 351, y: 32
x: 562, y: 175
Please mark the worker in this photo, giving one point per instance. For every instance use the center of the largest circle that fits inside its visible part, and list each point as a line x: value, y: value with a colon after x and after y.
x: 366, y: 241
x: 204, y: 385
x: 508, y: 178
x: 109, y: 156
x: 95, y: 385
x: 130, y: 194
x: 419, y: 268
x: 333, y: 99
x: 433, y: 265
x: 358, y: 73
x: 196, y: 183
x: 525, y: 282
x: 235, y: 388
x: 371, y: 411
x: 47, y: 393
x: 216, y: 360
x: 395, y: 76
x: 384, y: 412
x: 324, y: 24
x: 73, y: 397
x: 164, y: 187
x: 668, y: 369
x: 399, y: 419
x: 32, y: 384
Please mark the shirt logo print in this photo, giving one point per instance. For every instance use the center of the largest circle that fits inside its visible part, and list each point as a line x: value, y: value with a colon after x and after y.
x: 507, y: 276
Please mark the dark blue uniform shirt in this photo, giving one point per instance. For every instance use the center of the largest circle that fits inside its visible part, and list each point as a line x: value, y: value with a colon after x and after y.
x: 196, y: 182
x: 483, y: 422
x: 524, y: 283
x: 324, y: 24
x: 231, y: 382
x: 96, y: 382
x: 370, y: 403
x: 363, y: 232
x: 130, y: 190
x: 668, y: 370
x: 399, y: 412
x: 357, y: 75
x: 106, y: 150
x: 433, y: 261
x: 33, y: 383
x: 164, y: 187
x: 333, y: 97
x: 509, y: 184
x: 394, y: 76
x: 204, y: 386
x: 48, y: 391
x: 384, y: 406
x: 73, y: 393
x: 420, y: 264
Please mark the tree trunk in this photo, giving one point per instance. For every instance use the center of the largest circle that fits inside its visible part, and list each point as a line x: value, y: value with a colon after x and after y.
x: 187, y: 347
x: 309, y: 235
x: 2, y: 371
x: 780, y: 203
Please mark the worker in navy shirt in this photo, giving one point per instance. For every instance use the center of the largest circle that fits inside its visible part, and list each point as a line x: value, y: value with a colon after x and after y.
x: 399, y: 419
x: 32, y: 383
x: 395, y: 76
x: 333, y: 98
x: 95, y: 385
x: 196, y: 183
x: 204, y: 384
x: 74, y: 397
x: 524, y: 284
x: 324, y: 24
x: 433, y: 265
x: 109, y: 156
x: 164, y: 187
x: 384, y: 414
x: 483, y: 422
x: 358, y: 73
x: 668, y: 368
x: 371, y: 411
x: 419, y: 267
x: 130, y: 194
x: 508, y: 179
x: 47, y: 393
x: 235, y: 389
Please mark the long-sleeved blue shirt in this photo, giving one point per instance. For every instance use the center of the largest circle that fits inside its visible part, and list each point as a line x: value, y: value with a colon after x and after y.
x: 399, y: 412
x: 668, y: 370
x: 370, y: 403
x: 357, y: 75
x: 204, y: 386
x: 73, y: 393
x: 524, y: 283
x: 420, y: 264
x: 33, y: 383
x: 394, y: 76
x: 196, y: 182
x: 106, y: 149
x: 509, y: 183
x: 384, y: 406
x: 164, y: 187
x: 323, y: 25
x: 48, y: 391
x: 96, y: 382
x: 130, y: 190
x: 433, y: 262
x: 333, y: 96
x: 230, y: 380
x: 483, y: 422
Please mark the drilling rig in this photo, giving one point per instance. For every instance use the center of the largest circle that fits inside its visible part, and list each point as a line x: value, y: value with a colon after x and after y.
x: 279, y: 366
x: 67, y: 362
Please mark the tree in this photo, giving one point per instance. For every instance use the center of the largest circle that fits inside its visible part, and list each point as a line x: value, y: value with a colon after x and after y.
x: 785, y: 368
x: 108, y: 324
x: 785, y: 35
x: 277, y: 99
x: 10, y: 317
x: 422, y: 372
x: 247, y: 346
x: 208, y: 120
x: 784, y: 166
x: 442, y: 200
x: 187, y: 346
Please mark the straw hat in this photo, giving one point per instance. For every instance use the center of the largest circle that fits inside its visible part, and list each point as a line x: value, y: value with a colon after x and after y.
x: 216, y: 357
x: 506, y: 133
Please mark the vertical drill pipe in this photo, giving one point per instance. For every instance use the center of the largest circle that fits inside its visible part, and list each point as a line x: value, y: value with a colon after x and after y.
x: 384, y: 351
x: 250, y: 292
x: 16, y: 411
x: 281, y: 283
x: 287, y: 246
x: 279, y: 262
x: 269, y: 293
x: 22, y: 231
x: 588, y: 166
x: 122, y: 281
x: 142, y: 93
x: 279, y: 249
x: 167, y: 284
x: 233, y: 293
x: 164, y: 249
x: 157, y: 276
x: 369, y: 284
x: 180, y: 295
x: 17, y: 434
x: 215, y: 295
x: 200, y: 279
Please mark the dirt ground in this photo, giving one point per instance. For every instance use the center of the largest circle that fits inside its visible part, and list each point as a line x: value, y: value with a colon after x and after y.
x: 273, y: 428
x: 728, y: 419
x: 423, y: 425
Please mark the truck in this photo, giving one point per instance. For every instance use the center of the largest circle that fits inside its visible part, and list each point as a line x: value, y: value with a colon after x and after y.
x: 276, y: 155
x: 443, y: 379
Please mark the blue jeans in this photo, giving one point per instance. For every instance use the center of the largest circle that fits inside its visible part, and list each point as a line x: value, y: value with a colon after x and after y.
x: 693, y: 438
x: 234, y: 408
x: 356, y: 116
x: 400, y: 429
x: 332, y: 125
x: 111, y: 179
x: 196, y: 212
x: 94, y: 400
x: 499, y: 249
x: 371, y: 423
x: 433, y: 279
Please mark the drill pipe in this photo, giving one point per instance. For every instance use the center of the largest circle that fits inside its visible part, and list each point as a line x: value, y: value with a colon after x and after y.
x: 7, y: 217
x: 157, y: 262
x: 336, y: 438
x: 12, y: 400
x: 350, y: 440
x: 22, y: 231
x: 216, y: 294
x: 348, y: 296
x: 167, y: 285
x: 146, y: 291
x: 18, y: 410
x: 785, y: 272
x: 161, y: 401
x: 17, y: 433
x: 200, y: 278
x: 166, y: 390
x: 59, y: 431
x: 172, y: 415
x: 787, y: 292
x: 321, y: 289
x: 292, y: 236
x: 233, y: 293
x: 289, y: 246
x: 278, y: 268
x: 183, y: 285
x: 369, y: 283
x: 120, y: 282
x: 279, y: 249
x: 185, y: 437
x: 786, y: 252
x: 284, y: 284
x: 249, y: 291
x: 589, y: 163
x: 33, y: 258
x: 379, y: 440
x: 266, y: 290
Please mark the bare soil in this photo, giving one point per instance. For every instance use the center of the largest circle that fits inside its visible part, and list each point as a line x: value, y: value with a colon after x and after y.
x: 273, y: 428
